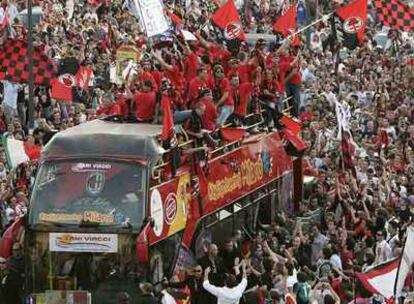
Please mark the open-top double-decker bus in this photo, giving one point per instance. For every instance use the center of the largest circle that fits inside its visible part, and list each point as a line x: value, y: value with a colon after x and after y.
x: 106, y: 212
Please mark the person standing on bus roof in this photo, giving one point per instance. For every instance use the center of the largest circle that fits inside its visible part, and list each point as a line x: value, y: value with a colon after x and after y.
x: 232, y: 292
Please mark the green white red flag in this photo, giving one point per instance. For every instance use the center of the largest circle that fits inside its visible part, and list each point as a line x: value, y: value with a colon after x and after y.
x: 18, y: 151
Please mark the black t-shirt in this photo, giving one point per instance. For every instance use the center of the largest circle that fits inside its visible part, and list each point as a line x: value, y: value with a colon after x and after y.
x: 194, y: 123
x: 303, y: 255
x: 228, y: 259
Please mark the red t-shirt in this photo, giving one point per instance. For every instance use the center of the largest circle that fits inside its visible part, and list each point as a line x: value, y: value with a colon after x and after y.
x: 306, y: 116
x: 123, y: 106
x: 157, y: 75
x: 243, y: 70
x: 241, y: 96
x: 144, y: 105
x: 210, y: 114
x: 217, y: 53
x: 191, y: 65
x: 113, y: 110
x: 196, y: 85
x: 284, y: 66
x: 274, y: 86
x: 176, y: 78
x: 148, y: 76
x: 223, y: 85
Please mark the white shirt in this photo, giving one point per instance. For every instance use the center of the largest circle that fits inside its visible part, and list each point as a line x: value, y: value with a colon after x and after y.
x: 1, y: 14
x: 10, y: 213
x: 13, y: 12
x: 336, y: 262
x: 167, y: 298
x: 226, y: 295
x: 11, y: 90
x: 383, y: 252
x: 292, y: 279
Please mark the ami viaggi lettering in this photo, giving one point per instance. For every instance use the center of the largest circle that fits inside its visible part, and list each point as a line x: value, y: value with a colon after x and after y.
x: 83, y: 242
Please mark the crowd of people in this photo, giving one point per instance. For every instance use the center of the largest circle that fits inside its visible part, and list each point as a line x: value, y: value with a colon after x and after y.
x: 366, y: 205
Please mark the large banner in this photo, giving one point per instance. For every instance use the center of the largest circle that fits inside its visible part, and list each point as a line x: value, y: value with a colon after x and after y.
x: 169, y: 206
x: 126, y: 59
x: 253, y: 165
x: 150, y: 14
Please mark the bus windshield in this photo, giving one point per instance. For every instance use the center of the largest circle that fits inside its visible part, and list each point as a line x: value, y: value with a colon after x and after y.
x: 89, y: 192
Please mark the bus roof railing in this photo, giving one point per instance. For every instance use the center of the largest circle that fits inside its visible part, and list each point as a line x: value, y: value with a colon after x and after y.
x: 158, y: 167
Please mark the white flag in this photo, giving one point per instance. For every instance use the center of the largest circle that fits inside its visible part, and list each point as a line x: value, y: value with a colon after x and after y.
x: 407, y: 259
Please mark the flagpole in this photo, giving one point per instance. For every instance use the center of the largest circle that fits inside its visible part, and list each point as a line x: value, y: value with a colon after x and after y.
x: 398, y: 270
x: 30, y: 67
x: 310, y: 25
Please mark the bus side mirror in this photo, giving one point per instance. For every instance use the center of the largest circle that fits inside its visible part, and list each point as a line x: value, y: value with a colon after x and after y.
x: 142, y: 245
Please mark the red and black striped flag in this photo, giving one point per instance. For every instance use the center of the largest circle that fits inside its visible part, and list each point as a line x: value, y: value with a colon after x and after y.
x: 395, y: 14
x: 14, y: 63
x: 347, y: 151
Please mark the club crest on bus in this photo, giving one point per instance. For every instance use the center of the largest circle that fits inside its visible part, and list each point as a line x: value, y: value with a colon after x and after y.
x: 95, y: 183
x: 170, y: 208
x: 232, y: 31
x: 353, y: 24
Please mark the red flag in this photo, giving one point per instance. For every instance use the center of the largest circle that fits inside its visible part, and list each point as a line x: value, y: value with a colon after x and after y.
x: 33, y: 151
x: 348, y: 151
x: 141, y: 244
x: 380, y: 279
x: 291, y: 124
x: 10, y: 237
x: 295, y: 140
x: 202, y: 181
x: 63, y: 84
x: 168, y: 135
x: 233, y: 134
x: 354, y: 17
x: 227, y: 18
x: 61, y: 90
x: 83, y: 77
x: 167, y: 119
x: 286, y: 24
x: 174, y: 18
